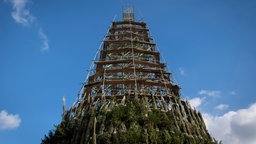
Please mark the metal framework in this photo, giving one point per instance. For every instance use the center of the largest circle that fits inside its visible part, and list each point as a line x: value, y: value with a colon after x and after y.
x: 127, y: 65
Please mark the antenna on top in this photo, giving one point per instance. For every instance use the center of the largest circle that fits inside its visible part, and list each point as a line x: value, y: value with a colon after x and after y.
x: 128, y: 13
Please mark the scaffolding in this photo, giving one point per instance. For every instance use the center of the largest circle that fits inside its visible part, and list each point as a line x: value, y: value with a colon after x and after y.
x: 127, y: 65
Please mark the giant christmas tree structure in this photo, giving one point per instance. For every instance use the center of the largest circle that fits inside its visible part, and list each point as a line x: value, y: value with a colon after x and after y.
x: 129, y: 96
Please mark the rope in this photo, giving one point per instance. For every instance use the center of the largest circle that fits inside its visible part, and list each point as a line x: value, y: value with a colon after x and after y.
x: 133, y: 61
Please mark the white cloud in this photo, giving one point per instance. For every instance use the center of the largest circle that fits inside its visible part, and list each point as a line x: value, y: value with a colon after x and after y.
x: 44, y: 39
x: 221, y: 106
x: 196, y: 102
x: 182, y: 71
x: 9, y: 121
x: 234, y: 127
x: 212, y: 93
x: 21, y: 13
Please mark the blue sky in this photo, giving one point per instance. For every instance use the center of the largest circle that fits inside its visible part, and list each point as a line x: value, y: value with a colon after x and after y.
x: 47, y: 46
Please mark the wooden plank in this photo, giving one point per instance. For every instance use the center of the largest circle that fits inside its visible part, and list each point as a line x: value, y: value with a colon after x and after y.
x: 127, y: 49
x: 129, y: 22
x: 127, y: 41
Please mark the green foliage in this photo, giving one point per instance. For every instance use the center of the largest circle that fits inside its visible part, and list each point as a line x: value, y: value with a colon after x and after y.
x: 130, y: 123
x: 62, y: 134
x: 50, y: 139
x: 104, y: 138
